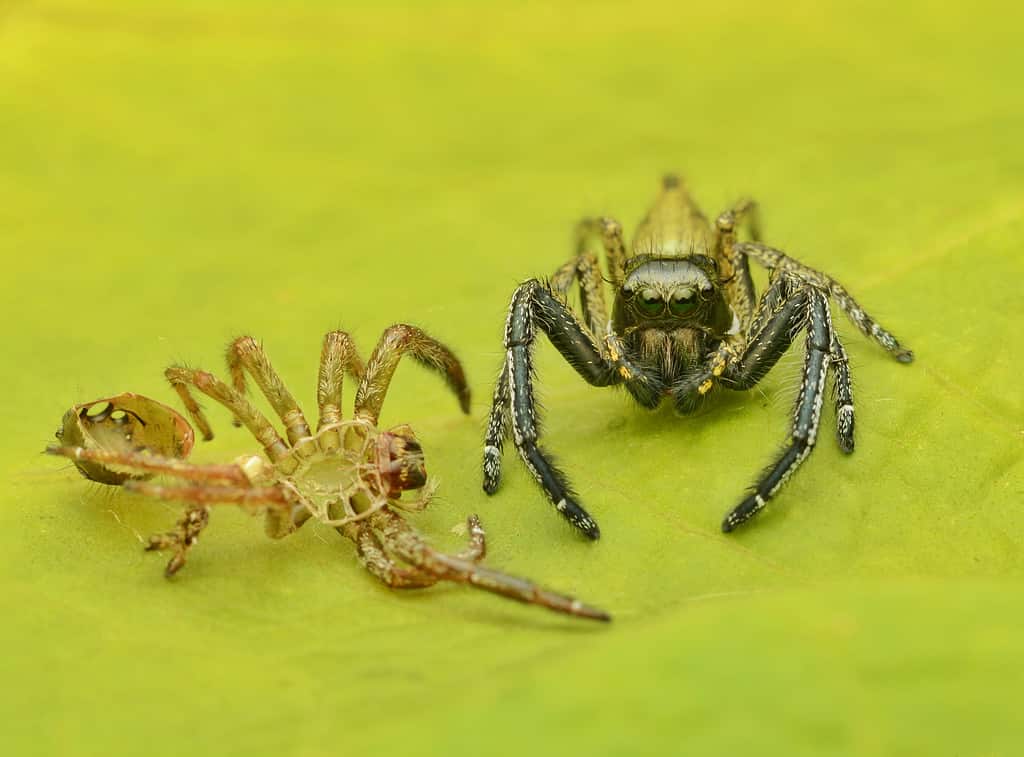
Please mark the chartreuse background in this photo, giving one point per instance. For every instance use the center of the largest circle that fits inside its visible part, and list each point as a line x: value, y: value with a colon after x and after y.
x: 173, y: 174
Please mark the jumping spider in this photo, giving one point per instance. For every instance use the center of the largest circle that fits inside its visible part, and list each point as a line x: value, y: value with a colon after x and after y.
x: 685, y: 320
x: 348, y: 474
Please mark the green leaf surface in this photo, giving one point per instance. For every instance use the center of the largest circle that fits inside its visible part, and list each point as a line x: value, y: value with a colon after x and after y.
x: 175, y: 174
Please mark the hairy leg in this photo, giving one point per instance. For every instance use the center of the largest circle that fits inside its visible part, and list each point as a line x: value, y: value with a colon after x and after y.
x: 806, y: 413
x: 733, y: 265
x: 776, y: 259
x: 533, y: 306
x: 843, y: 393
x: 610, y: 232
x: 246, y: 354
x: 337, y: 357
x: 181, y: 378
x: 585, y: 269
x: 424, y: 349
x: 498, y: 424
x: 741, y: 362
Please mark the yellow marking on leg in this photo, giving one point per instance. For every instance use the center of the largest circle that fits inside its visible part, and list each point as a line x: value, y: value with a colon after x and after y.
x: 705, y: 387
x: 612, y: 352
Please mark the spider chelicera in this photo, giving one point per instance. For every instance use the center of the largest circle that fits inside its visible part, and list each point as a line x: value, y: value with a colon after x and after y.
x: 685, y: 320
x: 347, y: 474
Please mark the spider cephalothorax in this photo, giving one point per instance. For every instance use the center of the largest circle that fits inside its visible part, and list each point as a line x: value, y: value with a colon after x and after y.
x: 347, y: 474
x: 666, y: 312
x: 685, y: 320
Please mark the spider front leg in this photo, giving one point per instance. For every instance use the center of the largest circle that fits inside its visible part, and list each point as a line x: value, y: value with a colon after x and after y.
x: 585, y: 269
x: 534, y: 306
x: 806, y: 414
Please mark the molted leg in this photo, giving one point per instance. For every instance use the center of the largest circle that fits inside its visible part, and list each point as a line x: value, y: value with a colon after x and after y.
x: 374, y: 558
x: 424, y: 349
x: 245, y: 496
x: 246, y: 354
x: 144, y: 462
x: 181, y: 539
x: 337, y: 357
x: 399, y: 538
x: 181, y: 378
x: 476, y: 550
x: 806, y: 414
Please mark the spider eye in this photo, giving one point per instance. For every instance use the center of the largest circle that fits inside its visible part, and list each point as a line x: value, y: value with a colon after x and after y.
x: 650, y: 303
x: 683, y: 305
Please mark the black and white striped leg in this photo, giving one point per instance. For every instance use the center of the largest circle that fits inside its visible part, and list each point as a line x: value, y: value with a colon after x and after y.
x: 806, y: 414
x: 534, y: 306
x: 497, y: 431
x: 843, y: 394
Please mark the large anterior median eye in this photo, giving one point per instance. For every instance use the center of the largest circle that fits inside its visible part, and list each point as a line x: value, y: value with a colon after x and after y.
x: 683, y: 305
x: 649, y: 302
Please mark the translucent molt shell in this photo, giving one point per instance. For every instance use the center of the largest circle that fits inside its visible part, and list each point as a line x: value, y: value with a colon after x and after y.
x: 125, y: 423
